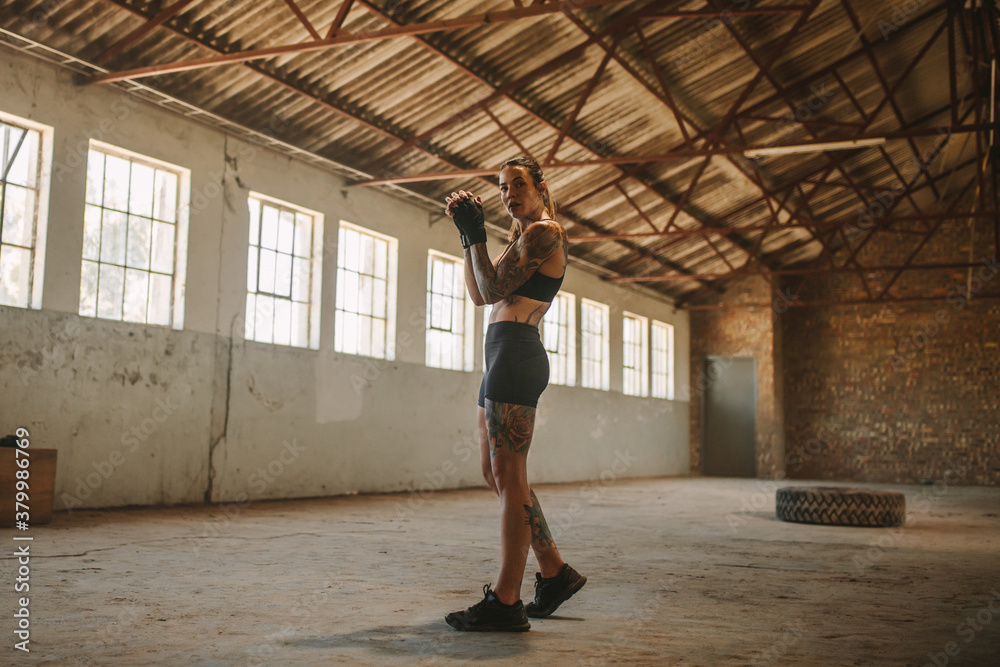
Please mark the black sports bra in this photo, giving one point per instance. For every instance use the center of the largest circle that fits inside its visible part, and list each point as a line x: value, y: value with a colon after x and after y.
x: 540, y: 287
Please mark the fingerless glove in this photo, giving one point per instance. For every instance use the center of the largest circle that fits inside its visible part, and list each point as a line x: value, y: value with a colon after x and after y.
x: 470, y: 222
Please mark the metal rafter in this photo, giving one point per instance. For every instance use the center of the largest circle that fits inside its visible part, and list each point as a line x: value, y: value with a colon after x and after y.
x: 803, y: 271
x: 503, y: 92
x: 781, y: 94
x: 889, y: 96
x: 303, y: 19
x: 763, y: 68
x: 630, y: 246
x: 582, y: 100
x: 679, y: 154
x: 726, y: 14
x: 877, y: 68
x: 592, y: 38
x: 738, y: 243
x: 768, y: 198
x: 140, y: 32
x: 664, y: 88
x: 343, y: 38
x: 838, y: 227
x: 638, y: 210
x: 805, y: 223
x: 506, y: 130
x: 802, y: 222
x: 338, y: 20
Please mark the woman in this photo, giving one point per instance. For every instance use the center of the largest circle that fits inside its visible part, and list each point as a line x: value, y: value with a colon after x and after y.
x: 520, y: 284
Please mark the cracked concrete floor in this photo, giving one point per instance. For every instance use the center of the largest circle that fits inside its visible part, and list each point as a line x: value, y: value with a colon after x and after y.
x: 688, y: 571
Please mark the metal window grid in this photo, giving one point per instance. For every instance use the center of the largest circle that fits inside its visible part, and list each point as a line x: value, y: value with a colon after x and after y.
x: 377, y: 343
x: 555, y: 337
x: 593, y: 331
x: 661, y: 351
x: 7, y: 159
x: 632, y: 355
x: 265, y: 259
x: 101, y: 263
x: 445, y: 314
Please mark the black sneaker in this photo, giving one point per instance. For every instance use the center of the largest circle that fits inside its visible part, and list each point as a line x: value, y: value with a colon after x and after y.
x: 490, y: 615
x: 552, y: 592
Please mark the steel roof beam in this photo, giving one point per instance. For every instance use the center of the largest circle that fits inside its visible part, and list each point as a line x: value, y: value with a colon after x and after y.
x: 344, y: 38
x: 933, y: 266
x: 140, y: 32
x: 303, y: 19
x: 807, y: 223
x: 798, y: 303
x: 687, y: 154
x: 338, y: 20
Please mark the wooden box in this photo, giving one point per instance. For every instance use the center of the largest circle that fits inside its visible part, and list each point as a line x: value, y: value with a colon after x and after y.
x: 41, y: 485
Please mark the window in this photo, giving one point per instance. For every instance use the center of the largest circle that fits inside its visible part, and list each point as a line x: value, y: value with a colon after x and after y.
x: 663, y: 360
x: 23, y: 193
x: 635, y: 351
x: 450, y: 323
x: 284, y: 273
x: 594, y: 324
x: 134, y: 238
x: 366, y: 293
x: 559, y: 338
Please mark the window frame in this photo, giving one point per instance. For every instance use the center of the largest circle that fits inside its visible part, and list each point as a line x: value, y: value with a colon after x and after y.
x: 569, y: 356
x: 642, y: 354
x: 181, y: 225
x: 315, y: 259
x: 468, y: 335
x: 392, y: 266
x: 669, y: 374
x: 40, y: 223
x: 605, y: 344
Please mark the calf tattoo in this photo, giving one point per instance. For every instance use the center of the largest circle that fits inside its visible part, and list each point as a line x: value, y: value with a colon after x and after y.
x: 510, y: 426
x: 539, y: 529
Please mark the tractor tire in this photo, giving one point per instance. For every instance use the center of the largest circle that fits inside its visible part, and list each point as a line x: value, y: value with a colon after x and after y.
x: 840, y: 506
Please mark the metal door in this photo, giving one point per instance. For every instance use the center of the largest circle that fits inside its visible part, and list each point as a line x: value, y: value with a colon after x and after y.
x: 729, y: 423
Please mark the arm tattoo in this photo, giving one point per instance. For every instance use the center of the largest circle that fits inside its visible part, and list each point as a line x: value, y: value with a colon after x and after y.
x: 496, y: 283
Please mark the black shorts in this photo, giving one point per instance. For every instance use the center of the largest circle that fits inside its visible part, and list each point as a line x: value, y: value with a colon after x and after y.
x: 517, y: 367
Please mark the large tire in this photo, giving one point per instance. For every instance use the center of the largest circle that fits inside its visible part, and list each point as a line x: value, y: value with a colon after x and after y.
x: 841, y: 506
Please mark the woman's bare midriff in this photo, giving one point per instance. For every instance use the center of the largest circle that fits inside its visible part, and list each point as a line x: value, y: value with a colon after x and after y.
x: 517, y: 308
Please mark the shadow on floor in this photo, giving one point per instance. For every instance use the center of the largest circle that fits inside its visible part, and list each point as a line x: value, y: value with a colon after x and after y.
x: 425, y: 641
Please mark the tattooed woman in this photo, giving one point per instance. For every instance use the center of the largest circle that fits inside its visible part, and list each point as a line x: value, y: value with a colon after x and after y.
x: 520, y: 284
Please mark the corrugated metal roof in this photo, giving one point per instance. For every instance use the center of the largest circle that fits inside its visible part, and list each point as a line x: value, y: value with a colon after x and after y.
x: 377, y: 107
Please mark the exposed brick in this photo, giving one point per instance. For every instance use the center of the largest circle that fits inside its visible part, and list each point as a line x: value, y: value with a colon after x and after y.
x: 740, y: 332
x: 894, y: 392
x: 898, y: 392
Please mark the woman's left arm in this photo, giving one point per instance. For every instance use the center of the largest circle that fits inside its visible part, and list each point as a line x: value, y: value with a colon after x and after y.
x: 530, y: 251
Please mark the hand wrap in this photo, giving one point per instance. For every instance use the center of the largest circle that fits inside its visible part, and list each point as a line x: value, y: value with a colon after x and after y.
x: 470, y: 222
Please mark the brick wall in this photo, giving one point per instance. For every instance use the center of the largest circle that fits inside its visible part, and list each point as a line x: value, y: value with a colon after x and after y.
x: 898, y: 393
x: 741, y: 332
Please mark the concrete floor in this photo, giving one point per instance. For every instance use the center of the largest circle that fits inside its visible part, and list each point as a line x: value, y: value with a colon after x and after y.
x: 682, y: 571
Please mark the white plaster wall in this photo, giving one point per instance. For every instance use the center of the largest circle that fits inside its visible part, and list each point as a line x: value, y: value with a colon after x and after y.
x: 248, y: 420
